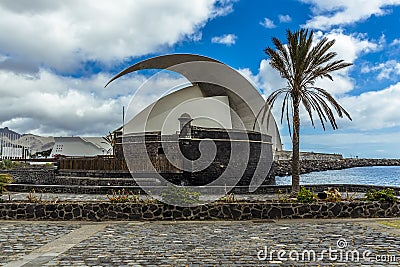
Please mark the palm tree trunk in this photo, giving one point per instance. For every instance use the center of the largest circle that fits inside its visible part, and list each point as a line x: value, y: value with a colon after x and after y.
x: 296, y: 151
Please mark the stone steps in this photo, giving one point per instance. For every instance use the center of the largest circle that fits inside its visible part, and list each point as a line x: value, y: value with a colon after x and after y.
x: 109, y: 181
x: 71, y: 189
x: 94, y: 174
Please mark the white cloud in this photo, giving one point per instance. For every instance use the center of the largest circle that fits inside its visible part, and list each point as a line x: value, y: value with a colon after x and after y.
x: 284, y: 18
x: 395, y: 42
x: 374, y: 110
x: 62, y: 35
x: 226, y: 39
x: 386, y: 70
x: 375, y: 114
x: 46, y: 40
x: 49, y: 104
x: 267, y: 23
x: 327, y: 14
x: 349, y: 46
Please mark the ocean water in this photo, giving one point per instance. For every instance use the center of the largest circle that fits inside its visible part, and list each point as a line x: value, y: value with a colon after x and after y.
x: 377, y: 175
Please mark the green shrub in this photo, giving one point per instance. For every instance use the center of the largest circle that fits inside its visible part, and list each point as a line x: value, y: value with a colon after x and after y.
x: 384, y: 195
x: 306, y: 196
x: 228, y: 198
x: 4, y: 180
x: 7, y: 164
x: 177, y: 195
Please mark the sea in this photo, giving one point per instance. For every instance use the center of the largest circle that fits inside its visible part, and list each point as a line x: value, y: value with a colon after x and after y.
x: 377, y: 175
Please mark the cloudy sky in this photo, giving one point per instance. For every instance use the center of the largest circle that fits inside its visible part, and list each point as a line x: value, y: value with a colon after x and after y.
x: 56, y: 57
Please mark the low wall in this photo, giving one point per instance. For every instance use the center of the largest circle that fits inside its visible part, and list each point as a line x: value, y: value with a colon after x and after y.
x: 237, y: 211
x: 32, y: 176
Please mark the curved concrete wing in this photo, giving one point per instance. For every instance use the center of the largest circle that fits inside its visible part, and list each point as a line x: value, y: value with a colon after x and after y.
x: 210, y: 78
x: 162, y: 62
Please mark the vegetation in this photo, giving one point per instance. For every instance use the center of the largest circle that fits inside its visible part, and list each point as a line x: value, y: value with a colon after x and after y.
x: 178, y: 195
x: 110, y: 139
x: 394, y: 223
x: 283, y: 198
x: 4, y: 180
x: 333, y: 195
x: 349, y: 197
x: 384, y: 195
x: 228, y: 198
x: 301, y: 63
x: 122, y: 196
x: 7, y: 164
x: 306, y: 196
x: 33, y: 198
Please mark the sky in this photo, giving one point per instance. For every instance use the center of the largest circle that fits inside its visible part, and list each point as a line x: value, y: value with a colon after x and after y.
x: 56, y: 57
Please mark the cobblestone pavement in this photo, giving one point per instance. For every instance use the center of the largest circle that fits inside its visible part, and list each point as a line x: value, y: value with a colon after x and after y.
x: 216, y: 243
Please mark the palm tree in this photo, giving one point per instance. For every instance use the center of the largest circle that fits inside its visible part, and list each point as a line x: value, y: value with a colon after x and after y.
x: 301, y: 63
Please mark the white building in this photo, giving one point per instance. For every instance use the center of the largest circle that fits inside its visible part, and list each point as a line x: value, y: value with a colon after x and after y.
x: 226, y: 100
x: 80, y: 146
x: 9, y: 147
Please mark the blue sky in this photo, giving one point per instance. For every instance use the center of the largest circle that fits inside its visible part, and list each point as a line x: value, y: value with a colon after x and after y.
x: 56, y: 56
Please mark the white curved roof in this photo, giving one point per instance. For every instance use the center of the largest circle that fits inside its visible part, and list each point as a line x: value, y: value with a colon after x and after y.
x: 219, y: 97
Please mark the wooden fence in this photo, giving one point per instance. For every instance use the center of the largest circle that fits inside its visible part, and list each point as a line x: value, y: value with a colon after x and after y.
x: 161, y: 164
x: 93, y: 163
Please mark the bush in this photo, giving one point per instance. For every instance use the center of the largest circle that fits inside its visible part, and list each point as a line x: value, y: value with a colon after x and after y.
x: 333, y: 195
x: 306, y: 196
x: 177, y: 195
x: 7, y: 164
x: 122, y: 196
x: 4, y: 180
x: 384, y: 195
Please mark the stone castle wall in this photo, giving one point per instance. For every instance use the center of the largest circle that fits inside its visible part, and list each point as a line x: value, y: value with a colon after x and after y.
x: 147, y: 154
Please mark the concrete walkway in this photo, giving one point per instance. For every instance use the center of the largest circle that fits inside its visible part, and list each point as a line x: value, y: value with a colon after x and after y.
x: 235, y: 243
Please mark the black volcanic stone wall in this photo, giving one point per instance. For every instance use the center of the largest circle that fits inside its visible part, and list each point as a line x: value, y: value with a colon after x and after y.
x: 153, y: 212
x: 143, y: 157
x: 32, y: 176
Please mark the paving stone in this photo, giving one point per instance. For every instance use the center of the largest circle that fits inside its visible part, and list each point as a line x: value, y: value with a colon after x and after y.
x: 199, y: 243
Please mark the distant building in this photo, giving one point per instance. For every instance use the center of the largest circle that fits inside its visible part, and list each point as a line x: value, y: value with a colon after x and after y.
x: 80, y: 146
x: 9, y: 147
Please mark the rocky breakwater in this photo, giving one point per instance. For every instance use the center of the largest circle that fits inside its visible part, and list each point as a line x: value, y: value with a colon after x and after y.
x: 284, y: 167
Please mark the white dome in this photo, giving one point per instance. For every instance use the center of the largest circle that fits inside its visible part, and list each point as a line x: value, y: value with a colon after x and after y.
x: 219, y: 97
